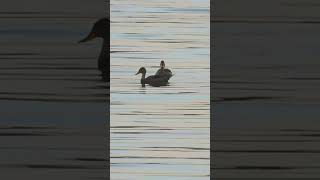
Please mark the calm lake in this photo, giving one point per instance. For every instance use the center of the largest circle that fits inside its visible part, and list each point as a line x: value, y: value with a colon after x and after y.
x: 160, y: 132
x: 265, y: 85
x: 54, y: 108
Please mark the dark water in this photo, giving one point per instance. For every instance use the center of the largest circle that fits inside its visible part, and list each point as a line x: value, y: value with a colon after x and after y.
x: 160, y: 132
x: 265, y: 90
x: 54, y: 109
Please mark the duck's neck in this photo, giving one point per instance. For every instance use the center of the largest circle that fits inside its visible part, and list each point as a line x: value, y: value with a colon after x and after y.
x: 143, y: 77
x: 105, y: 53
x: 104, y: 61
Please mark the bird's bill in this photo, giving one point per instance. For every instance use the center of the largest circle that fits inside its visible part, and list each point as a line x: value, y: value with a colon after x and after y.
x: 138, y: 73
x: 88, y: 38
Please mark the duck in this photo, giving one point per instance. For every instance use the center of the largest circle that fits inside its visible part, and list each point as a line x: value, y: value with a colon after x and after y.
x: 164, y: 72
x: 101, y: 29
x: 153, y: 80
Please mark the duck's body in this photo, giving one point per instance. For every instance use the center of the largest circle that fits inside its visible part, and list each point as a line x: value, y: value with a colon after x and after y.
x: 102, y: 29
x: 154, y: 80
x: 163, y: 72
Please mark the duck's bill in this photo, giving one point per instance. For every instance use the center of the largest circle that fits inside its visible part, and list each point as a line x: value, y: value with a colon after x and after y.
x: 137, y: 73
x: 88, y: 38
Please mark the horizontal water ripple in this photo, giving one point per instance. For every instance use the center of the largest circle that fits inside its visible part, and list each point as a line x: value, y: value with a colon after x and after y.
x: 164, y: 129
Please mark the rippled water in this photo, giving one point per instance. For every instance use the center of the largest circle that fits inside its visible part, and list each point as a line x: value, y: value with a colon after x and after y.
x: 54, y: 108
x: 160, y: 132
x: 266, y: 90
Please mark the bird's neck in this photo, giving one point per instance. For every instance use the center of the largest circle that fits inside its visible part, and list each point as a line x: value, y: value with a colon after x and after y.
x: 143, y: 79
x: 104, y: 61
x: 143, y: 76
x: 104, y: 54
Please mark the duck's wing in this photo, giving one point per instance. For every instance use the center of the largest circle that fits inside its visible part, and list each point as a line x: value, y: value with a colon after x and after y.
x: 157, y: 80
x: 168, y: 72
x: 153, y: 78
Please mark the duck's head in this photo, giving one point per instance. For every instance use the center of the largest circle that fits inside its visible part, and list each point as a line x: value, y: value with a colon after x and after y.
x: 162, y: 64
x: 100, y: 29
x: 142, y: 70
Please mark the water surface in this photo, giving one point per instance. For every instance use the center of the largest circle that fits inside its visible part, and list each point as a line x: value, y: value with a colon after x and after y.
x: 54, y: 108
x: 265, y: 85
x: 160, y: 132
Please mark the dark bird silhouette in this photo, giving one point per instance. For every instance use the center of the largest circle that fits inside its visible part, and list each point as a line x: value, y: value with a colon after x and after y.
x: 163, y: 72
x: 154, y: 80
x: 101, y: 29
